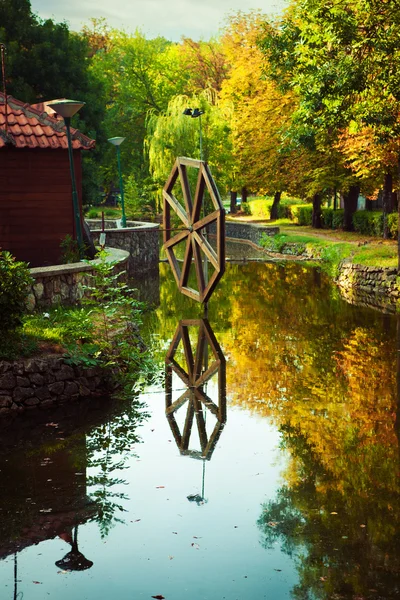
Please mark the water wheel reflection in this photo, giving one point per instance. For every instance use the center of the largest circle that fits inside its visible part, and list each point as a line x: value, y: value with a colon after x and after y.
x: 196, y: 358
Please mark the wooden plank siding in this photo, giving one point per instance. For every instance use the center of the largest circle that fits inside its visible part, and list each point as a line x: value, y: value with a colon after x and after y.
x: 36, y: 210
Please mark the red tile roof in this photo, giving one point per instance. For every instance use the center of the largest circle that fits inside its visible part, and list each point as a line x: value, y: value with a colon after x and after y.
x: 32, y: 127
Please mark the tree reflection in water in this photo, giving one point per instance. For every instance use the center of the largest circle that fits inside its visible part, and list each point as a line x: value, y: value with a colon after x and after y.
x: 325, y: 373
x: 339, y: 512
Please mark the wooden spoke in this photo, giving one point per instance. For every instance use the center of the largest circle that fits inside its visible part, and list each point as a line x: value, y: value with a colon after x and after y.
x: 195, y: 373
x: 194, y: 220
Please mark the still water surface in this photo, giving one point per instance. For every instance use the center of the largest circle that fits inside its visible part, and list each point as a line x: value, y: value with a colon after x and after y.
x: 298, y: 493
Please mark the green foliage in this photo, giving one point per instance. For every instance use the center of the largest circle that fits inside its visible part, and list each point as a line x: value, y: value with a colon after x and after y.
x: 368, y: 222
x: 393, y: 225
x: 69, y: 250
x: 332, y: 219
x: 246, y: 208
x: 15, y: 280
x: 92, y: 213
x: 302, y: 214
x: 117, y: 315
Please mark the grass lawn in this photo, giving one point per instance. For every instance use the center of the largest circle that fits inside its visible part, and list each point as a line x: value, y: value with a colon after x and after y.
x: 362, y: 249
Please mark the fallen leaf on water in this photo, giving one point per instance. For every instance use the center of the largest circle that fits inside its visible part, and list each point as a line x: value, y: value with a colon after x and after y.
x: 159, y: 597
x: 37, y: 582
x: 195, y: 546
x: 277, y: 569
x: 195, y: 537
x: 160, y: 487
x: 333, y: 513
x: 363, y: 525
x: 170, y: 557
x: 175, y: 532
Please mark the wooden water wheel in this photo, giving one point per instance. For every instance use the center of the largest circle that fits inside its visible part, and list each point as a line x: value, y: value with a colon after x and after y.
x: 193, y: 215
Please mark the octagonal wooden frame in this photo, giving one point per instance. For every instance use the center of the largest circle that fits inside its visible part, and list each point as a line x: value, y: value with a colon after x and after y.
x: 193, y: 223
x: 194, y: 377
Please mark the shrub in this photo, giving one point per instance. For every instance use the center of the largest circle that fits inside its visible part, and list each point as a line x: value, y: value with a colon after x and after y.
x: 92, y: 213
x: 393, y: 225
x: 14, y: 288
x: 368, y: 222
x: 246, y: 209
x: 332, y: 219
x: 302, y: 214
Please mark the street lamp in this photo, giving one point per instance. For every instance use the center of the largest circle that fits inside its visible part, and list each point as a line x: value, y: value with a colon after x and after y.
x: 194, y: 113
x: 67, y: 109
x: 117, y: 141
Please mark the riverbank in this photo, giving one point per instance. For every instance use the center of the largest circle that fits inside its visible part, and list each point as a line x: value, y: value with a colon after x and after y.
x: 364, y: 268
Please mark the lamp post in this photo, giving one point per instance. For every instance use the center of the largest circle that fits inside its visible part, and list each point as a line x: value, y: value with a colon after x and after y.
x: 67, y: 109
x: 117, y: 141
x: 195, y: 113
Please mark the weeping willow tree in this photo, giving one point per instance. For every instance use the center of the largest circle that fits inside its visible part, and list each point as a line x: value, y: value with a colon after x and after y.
x: 174, y: 134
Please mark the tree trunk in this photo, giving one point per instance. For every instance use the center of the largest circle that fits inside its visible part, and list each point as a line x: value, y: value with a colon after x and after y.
x: 274, y: 207
x: 316, y: 212
x: 398, y: 218
x: 386, y: 203
x: 244, y: 194
x: 232, y: 208
x: 350, y: 206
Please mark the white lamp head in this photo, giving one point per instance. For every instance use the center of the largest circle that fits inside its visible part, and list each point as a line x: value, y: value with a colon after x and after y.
x: 66, y: 108
x: 116, y: 141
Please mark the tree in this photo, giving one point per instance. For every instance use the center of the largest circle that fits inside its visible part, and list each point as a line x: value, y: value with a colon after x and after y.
x: 140, y: 77
x: 341, y: 58
x: 174, y: 134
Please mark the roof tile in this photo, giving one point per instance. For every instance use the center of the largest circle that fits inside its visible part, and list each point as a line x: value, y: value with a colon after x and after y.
x: 28, y: 126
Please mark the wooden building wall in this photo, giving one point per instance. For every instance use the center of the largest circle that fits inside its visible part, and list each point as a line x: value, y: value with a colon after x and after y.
x: 36, y: 210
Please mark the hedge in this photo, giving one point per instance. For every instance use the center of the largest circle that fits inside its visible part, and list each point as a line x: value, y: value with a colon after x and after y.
x: 302, y: 214
x: 332, y: 219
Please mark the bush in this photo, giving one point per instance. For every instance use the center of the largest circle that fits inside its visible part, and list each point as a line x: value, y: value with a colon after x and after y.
x: 302, y: 214
x: 92, y: 213
x: 368, y: 222
x: 14, y: 288
x: 332, y: 219
x: 393, y: 225
x: 246, y: 209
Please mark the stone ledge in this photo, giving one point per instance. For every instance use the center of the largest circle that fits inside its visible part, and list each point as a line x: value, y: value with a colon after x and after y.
x: 65, y: 284
x: 113, y: 254
x: 21, y: 389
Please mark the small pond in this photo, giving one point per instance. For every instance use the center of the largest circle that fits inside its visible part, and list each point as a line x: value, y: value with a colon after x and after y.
x: 275, y: 474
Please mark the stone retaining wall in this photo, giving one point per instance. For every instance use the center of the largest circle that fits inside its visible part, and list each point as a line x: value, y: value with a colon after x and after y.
x: 64, y: 284
x: 250, y: 232
x: 39, y: 383
x: 369, y: 286
x: 141, y: 240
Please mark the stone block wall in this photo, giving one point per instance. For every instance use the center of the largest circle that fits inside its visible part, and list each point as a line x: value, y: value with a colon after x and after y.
x: 39, y: 383
x: 369, y: 286
x: 64, y: 284
x: 250, y: 232
x: 141, y: 240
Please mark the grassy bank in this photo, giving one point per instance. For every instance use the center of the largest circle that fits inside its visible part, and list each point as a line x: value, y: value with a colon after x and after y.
x: 329, y: 246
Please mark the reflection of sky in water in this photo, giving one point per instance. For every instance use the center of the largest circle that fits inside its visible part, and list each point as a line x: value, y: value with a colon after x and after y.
x: 297, y: 352
x: 145, y: 558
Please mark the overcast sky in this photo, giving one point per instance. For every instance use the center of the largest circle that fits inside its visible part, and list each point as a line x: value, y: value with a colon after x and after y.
x: 169, y: 18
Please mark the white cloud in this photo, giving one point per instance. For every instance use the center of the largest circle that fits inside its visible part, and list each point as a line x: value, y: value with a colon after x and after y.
x: 169, y: 18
